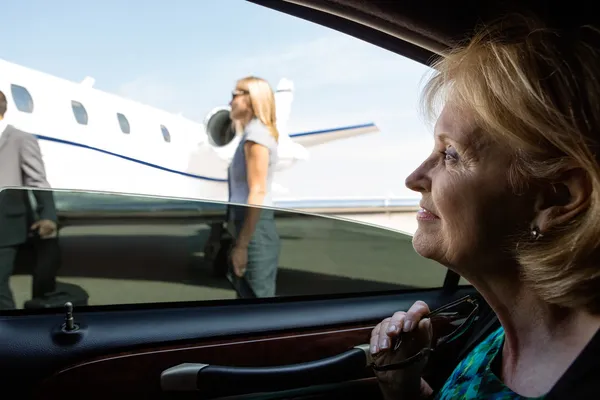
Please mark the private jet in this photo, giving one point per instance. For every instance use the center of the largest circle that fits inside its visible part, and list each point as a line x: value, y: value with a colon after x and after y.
x: 94, y: 140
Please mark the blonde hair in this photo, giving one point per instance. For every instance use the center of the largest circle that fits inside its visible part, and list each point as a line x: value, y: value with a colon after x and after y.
x: 537, y: 90
x: 262, y: 100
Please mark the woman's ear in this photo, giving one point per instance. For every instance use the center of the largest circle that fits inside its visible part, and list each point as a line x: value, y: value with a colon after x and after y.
x: 560, y: 202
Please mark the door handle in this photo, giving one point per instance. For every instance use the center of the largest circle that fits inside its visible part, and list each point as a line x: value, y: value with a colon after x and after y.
x: 213, y: 380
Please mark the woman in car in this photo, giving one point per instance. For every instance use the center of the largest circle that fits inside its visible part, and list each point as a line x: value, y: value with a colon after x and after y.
x: 255, y: 253
x: 511, y: 202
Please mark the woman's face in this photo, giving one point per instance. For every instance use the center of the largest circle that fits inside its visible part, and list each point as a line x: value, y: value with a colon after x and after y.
x: 241, y: 108
x: 469, y: 211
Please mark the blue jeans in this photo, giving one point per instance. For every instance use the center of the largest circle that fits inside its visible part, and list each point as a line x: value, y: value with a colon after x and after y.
x: 263, y: 255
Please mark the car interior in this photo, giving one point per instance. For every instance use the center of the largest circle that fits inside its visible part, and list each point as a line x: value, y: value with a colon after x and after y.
x: 300, y: 347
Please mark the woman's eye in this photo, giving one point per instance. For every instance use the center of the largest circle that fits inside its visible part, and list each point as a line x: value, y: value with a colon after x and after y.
x: 450, y: 154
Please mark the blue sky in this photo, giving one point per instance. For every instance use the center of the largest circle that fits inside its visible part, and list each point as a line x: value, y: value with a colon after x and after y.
x: 186, y: 57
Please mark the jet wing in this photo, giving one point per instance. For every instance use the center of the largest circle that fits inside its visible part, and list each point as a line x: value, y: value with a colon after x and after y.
x: 314, y: 138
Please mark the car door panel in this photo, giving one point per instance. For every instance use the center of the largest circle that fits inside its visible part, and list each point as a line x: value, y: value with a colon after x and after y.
x: 141, y: 370
x: 128, y: 351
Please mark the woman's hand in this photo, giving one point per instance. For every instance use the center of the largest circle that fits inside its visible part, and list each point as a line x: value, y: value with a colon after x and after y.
x: 239, y: 259
x: 415, y: 334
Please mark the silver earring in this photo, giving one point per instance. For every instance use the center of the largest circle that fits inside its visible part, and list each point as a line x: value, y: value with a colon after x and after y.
x: 536, y: 234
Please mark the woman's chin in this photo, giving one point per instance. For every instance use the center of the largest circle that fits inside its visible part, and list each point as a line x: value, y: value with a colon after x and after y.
x: 425, y: 246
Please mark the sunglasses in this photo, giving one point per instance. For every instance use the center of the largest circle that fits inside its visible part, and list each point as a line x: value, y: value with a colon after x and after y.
x: 238, y: 92
x: 444, y: 314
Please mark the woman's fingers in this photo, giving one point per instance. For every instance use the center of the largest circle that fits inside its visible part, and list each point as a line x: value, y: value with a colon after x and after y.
x: 396, y: 324
x: 374, y: 344
x: 384, y: 339
x: 375, y: 336
x: 425, y: 332
x: 415, y: 314
x: 386, y: 331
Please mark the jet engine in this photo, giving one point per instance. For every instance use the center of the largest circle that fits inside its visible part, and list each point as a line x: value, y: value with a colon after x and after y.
x: 219, y: 127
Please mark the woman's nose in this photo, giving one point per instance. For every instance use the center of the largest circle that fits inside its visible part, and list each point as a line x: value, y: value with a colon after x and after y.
x: 419, y: 180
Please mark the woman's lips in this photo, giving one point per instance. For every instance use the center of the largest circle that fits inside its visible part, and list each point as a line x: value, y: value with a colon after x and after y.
x: 425, y: 215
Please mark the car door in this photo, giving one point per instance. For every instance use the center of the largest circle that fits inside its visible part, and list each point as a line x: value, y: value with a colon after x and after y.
x: 146, y: 331
x: 159, y: 323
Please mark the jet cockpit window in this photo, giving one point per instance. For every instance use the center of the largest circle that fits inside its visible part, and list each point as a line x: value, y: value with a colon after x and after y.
x: 125, y: 128
x: 165, y: 133
x: 22, y: 98
x: 81, y: 115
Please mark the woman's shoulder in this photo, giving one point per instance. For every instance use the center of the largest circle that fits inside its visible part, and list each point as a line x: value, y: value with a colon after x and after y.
x: 258, y: 132
x: 580, y: 381
x: 256, y: 126
x: 582, y: 378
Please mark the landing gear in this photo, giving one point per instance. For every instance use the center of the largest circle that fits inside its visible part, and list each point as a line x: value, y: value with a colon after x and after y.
x: 216, y: 249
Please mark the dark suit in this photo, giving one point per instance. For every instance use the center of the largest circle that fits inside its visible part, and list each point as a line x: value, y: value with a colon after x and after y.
x: 21, y: 165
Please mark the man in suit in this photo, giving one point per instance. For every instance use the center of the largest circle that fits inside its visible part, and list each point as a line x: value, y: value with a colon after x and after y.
x: 21, y: 165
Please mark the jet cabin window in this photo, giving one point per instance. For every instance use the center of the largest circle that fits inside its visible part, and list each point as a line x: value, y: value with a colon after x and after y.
x: 125, y: 128
x: 22, y: 98
x: 165, y: 133
x: 79, y: 112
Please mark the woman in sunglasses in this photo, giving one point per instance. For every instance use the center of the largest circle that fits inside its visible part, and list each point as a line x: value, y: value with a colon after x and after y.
x: 511, y: 202
x: 255, y: 252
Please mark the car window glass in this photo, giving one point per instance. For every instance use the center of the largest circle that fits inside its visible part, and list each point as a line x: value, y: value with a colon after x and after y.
x: 142, y: 215
x: 126, y: 249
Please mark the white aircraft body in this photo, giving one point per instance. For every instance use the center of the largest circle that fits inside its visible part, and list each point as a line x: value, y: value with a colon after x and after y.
x: 93, y: 140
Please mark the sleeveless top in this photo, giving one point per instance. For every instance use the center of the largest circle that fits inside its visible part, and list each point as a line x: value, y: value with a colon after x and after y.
x: 237, y: 174
x: 473, y: 377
